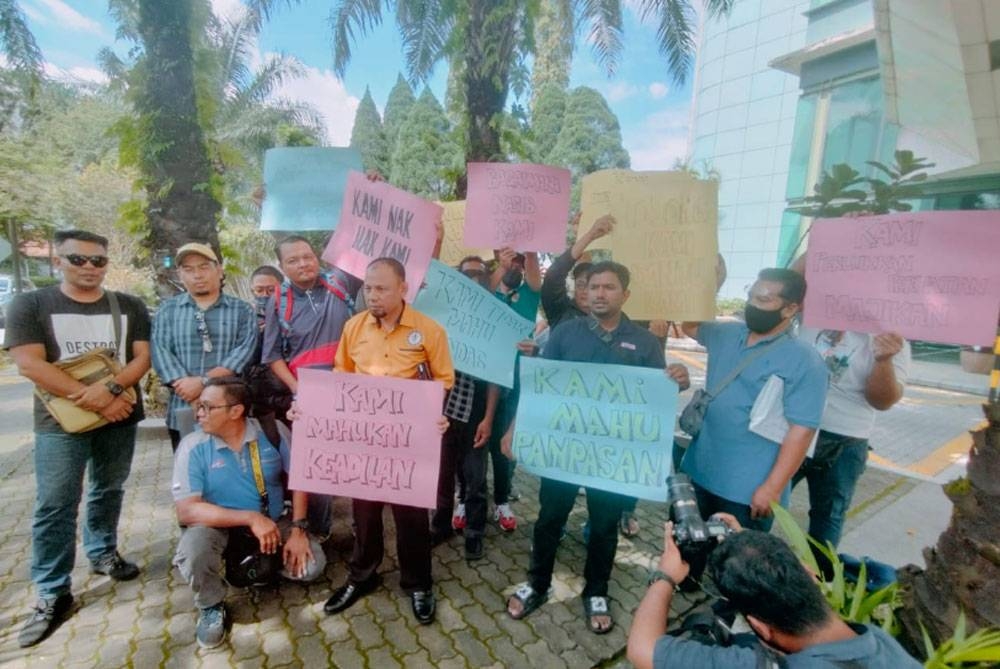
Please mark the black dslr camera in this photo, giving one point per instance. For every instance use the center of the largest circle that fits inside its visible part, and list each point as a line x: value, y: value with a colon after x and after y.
x: 695, y: 538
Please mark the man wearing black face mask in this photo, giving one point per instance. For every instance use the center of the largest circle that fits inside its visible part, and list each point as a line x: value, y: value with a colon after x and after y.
x: 734, y: 469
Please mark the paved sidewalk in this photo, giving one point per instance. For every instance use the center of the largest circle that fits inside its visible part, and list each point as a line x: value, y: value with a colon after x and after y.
x: 150, y: 621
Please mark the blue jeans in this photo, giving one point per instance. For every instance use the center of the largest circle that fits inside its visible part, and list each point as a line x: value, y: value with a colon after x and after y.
x: 832, y: 474
x: 60, y: 462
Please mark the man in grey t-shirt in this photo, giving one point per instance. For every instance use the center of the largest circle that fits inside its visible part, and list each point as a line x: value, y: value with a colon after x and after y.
x: 765, y: 582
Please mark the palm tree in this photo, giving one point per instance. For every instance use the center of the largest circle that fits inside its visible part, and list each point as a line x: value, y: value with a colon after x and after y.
x: 16, y: 41
x: 491, y: 40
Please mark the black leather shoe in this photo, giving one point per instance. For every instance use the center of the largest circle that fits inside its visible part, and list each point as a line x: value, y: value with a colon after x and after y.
x: 344, y: 596
x: 47, y: 615
x: 424, y: 606
x: 473, y: 548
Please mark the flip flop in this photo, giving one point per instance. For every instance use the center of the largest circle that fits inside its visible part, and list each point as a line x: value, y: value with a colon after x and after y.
x: 530, y: 600
x: 597, y: 606
x: 628, y: 524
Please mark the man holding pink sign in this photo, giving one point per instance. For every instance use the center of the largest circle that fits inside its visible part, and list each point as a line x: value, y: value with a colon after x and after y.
x: 392, y: 339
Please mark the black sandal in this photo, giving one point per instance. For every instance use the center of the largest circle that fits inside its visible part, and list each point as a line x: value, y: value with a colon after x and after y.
x: 597, y: 606
x: 530, y: 600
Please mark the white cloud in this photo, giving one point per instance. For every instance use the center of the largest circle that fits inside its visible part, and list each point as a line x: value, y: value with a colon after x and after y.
x: 75, y: 75
x: 227, y: 9
x: 659, y: 140
x: 658, y: 90
x: 327, y: 94
x: 620, y: 90
x: 68, y: 17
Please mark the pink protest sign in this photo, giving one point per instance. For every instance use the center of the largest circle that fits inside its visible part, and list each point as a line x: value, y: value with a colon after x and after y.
x: 522, y: 206
x: 377, y: 221
x: 367, y: 437
x: 930, y: 275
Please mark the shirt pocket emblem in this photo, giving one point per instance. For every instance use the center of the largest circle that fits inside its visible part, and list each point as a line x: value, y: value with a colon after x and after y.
x: 415, y: 338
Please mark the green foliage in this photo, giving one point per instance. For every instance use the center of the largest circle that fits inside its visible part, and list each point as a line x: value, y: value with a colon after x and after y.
x: 425, y: 151
x: 962, y: 650
x: 730, y: 306
x: 18, y: 45
x: 368, y: 137
x: 589, y: 138
x: 547, y: 118
x: 397, y: 108
x: 553, y: 49
x: 851, y: 601
x: 844, y: 190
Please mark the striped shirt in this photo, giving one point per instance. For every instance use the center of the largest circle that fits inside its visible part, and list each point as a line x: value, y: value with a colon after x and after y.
x: 189, y: 342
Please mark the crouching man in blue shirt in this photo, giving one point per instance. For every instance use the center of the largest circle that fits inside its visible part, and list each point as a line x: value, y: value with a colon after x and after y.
x: 763, y: 580
x: 216, y: 494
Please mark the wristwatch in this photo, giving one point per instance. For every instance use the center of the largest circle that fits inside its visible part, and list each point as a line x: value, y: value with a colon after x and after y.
x: 115, y: 389
x: 302, y: 524
x: 658, y: 575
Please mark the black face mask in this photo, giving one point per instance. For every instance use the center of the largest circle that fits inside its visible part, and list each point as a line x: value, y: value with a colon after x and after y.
x: 512, y: 278
x: 761, y: 320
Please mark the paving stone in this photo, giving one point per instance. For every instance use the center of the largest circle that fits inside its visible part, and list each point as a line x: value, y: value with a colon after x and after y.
x: 278, y: 647
x: 435, y: 640
x: 382, y: 657
x: 482, y: 621
x: 367, y: 632
x: 418, y: 660
x: 400, y: 636
x: 542, y: 656
x: 474, y: 651
x: 334, y: 628
x: 311, y: 652
x: 345, y: 655
x: 448, y: 618
x: 509, y: 655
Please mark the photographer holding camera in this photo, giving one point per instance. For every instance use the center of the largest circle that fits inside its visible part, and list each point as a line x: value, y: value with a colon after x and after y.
x: 229, y: 500
x: 764, y: 581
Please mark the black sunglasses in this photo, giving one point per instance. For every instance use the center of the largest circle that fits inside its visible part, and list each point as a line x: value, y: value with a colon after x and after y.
x: 78, y: 260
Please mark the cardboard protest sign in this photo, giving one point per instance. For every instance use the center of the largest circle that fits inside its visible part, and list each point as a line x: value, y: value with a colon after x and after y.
x: 603, y: 426
x: 482, y: 331
x: 930, y: 275
x: 305, y: 186
x: 367, y: 437
x: 378, y: 221
x: 522, y: 206
x: 665, y: 234
x: 453, y: 247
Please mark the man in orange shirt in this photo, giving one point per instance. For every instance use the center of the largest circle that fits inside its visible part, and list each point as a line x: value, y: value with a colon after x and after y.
x: 391, y: 339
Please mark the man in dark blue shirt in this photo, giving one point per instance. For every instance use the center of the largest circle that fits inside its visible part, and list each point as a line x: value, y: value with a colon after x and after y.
x: 605, y: 336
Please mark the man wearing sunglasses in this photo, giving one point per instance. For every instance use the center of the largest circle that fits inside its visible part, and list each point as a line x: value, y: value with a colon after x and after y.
x: 57, y: 323
x: 199, y: 334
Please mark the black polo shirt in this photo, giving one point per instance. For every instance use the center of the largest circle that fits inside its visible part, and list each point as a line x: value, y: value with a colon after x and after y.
x: 584, y: 340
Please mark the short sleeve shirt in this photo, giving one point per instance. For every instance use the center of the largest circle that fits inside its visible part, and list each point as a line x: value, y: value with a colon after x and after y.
x: 850, y: 357
x: 366, y: 348
x: 872, y: 649
x: 523, y: 300
x: 583, y: 340
x: 206, y: 467
x: 68, y: 328
x: 726, y: 458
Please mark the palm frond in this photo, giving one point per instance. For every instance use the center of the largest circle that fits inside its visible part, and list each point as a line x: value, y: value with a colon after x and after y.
x: 262, y: 10
x: 718, y: 8
x: 238, y: 40
x: 674, y: 33
x: 424, y: 28
x: 349, y: 19
x: 605, y: 20
x: 273, y: 73
x: 126, y: 16
x: 17, y: 42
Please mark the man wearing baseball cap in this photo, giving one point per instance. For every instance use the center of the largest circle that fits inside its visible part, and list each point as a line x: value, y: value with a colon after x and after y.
x: 199, y: 334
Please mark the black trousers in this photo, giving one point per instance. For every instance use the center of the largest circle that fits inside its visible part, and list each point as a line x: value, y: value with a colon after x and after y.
x: 503, y: 469
x: 413, y: 544
x: 459, y: 457
x: 603, y: 508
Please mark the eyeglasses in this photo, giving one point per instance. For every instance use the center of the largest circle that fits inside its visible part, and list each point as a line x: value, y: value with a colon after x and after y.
x: 206, y: 339
x: 209, y: 408
x: 77, y: 260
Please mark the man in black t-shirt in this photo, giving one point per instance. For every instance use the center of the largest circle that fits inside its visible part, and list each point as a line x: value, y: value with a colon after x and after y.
x: 53, y: 324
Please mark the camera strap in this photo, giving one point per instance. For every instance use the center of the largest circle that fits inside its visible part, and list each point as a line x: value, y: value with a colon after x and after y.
x: 743, y: 365
x: 258, y: 477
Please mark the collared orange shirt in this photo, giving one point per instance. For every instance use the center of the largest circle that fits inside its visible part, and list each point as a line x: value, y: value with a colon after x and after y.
x: 366, y: 348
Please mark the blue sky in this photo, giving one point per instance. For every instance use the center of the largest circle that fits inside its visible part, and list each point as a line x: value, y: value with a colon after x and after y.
x: 652, y: 110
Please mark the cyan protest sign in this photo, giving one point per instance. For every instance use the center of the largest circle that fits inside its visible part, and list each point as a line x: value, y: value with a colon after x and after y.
x: 609, y: 427
x: 304, y: 186
x: 482, y: 331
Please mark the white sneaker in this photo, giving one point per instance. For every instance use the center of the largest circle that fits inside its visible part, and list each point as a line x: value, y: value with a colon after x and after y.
x: 505, y: 518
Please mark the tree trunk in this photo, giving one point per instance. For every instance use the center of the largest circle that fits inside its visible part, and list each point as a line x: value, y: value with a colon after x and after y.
x: 489, y: 49
x: 175, y: 165
x: 963, y: 569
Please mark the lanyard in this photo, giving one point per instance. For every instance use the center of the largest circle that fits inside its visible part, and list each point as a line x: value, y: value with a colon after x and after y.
x: 258, y: 477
